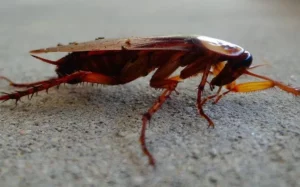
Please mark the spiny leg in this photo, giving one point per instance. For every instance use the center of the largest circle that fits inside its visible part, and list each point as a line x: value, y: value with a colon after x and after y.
x: 160, y: 80
x: 169, y: 85
x: 45, y: 86
x: 216, y: 70
x: 24, y: 85
x: 146, y: 117
x: 233, y: 87
x: 200, y: 90
x: 201, y: 65
x: 78, y: 76
x: 211, y: 96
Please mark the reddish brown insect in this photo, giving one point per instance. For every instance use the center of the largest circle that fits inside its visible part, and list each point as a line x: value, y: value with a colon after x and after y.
x: 119, y: 61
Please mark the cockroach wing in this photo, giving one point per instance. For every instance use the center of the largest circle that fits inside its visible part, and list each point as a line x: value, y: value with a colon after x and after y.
x: 177, y: 43
x: 220, y: 46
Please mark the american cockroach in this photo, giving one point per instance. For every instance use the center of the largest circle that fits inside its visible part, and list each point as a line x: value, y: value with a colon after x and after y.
x: 119, y: 61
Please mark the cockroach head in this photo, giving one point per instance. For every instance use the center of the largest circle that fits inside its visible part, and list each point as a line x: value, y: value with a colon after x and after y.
x: 234, y: 68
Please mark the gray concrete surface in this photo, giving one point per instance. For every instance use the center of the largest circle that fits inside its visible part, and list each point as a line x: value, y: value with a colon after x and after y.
x: 88, y: 136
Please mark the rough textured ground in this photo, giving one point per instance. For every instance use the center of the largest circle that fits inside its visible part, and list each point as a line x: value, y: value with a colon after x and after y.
x: 88, y: 136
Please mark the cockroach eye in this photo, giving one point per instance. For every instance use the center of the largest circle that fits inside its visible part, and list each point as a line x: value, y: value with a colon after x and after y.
x: 244, y: 61
x: 248, y: 61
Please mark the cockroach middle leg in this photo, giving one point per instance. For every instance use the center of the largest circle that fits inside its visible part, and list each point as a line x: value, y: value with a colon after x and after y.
x: 170, y: 86
x: 211, y: 96
x: 146, y: 117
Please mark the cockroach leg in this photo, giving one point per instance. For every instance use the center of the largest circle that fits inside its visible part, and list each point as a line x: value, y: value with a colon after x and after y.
x: 80, y: 76
x: 46, y: 85
x: 147, y: 117
x: 231, y: 86
x: 24, y: 85
x: 220, y: 96
x: 170, y: 86
x: 211, y: 96
x: 200, y: 90
x: 99, y: 79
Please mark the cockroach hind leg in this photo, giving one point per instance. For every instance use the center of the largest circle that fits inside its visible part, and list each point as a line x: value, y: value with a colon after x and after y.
x: 22, y: 85
x: 145, y: 120
x: 46, y: 85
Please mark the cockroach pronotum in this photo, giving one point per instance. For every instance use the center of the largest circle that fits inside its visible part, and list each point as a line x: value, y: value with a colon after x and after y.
x: 119, y: 61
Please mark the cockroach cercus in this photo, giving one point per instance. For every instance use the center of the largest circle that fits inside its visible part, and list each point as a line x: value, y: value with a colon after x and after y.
x: 119, y: 61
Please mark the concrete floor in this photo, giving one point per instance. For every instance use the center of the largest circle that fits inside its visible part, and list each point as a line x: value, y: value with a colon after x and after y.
x: 88, y: 136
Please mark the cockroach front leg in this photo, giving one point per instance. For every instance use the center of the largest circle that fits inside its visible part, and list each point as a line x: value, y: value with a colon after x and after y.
x: 199, y: 97
x: 201, y: 65
x: 211, y: 96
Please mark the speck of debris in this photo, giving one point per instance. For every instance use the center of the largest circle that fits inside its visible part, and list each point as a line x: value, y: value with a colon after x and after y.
x: 58, y: 129
x: 99, y: 38
x: 213, y: 180
x: 121, y: 134
x: 73, y: 43
x: 23, y: 132
x: 127, y: 42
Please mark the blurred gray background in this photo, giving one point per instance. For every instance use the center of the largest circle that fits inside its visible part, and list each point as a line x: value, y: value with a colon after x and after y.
x: 88, y: 136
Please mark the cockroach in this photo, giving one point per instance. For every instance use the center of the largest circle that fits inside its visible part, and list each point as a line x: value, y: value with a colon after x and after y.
x: 119, y: 61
